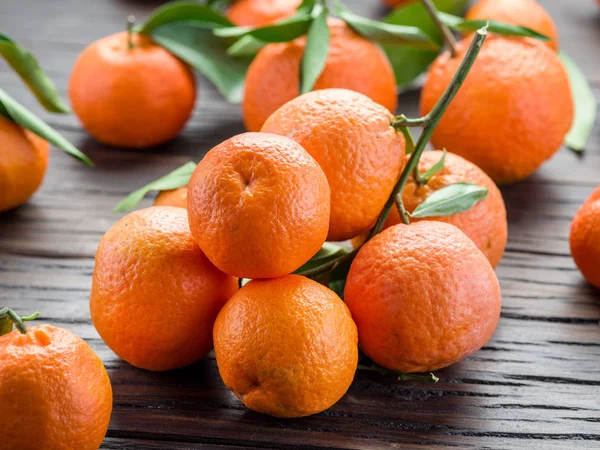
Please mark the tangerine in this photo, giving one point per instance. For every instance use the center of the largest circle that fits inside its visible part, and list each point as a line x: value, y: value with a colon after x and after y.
x: 258, y: 13
x: 172, y: 197
x: 352, y: 139
x: 353, y: 63
x: 155, y: 296
x: 585, y: 239
x: 131, y: 97
x: 423, y: 297
x: 286, y: 346
x: 512, y: 112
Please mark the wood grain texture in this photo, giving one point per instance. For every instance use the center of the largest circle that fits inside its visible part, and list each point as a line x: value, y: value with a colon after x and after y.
x: 536, y: 385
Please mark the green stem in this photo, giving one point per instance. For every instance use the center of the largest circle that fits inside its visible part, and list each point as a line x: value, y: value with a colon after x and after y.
x: 431, y: 121
x: 429, y: 377
x: 328, y: 265
x: 403, y: 121
x: 8, y: 318
x: 130, y: 24
x: 444, y: 30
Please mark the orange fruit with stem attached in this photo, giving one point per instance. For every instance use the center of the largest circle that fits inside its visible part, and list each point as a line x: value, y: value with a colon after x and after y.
x: 353, y: 62
x: 55, y: 393
x: 155, y: 296
x: 585, y: 239
x: 485, y: 223
x: 23, y: 162
x: 352, y: 139
x: 286, y: 346
x: 512, y: 112
x: 423, y: 297
x: 258, y: 205
x: 525, y: 13
x: 172, y: 197
x: 258, y: 13
x: 131, y: 97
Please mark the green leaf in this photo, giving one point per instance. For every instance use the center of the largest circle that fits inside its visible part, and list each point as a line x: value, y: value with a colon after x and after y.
x: 16, y: 112
x: 282, y: 31
x: 465, y: 25
x: 27, y: 67
x: 246, y: 46
x: 206, y: 53
x: 219, y: 4
x: 315, y: 52
x: 452, y: 199
x: 178, y: 178
x: 386, y: 33
x: 409, y: 63
x: 327, y: 253
x: 586, y: 106
x: 184, y: 11
x: 435, y: 168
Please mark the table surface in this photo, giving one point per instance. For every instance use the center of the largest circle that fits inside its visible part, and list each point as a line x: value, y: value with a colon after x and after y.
x: 536, y: 383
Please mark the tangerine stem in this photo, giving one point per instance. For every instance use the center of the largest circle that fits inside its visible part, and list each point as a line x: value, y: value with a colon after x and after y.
x: 431, y: 121
x: 444, y: 30
x: 130, y: 24
x: 8, y: 317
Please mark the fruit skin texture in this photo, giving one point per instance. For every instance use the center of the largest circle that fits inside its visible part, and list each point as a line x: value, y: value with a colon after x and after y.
x: 155, y: 295
x: 23, y: 163
x: 55, y: 393
x: 286, y: 347
x: 257, y: 13
x: 353, y: 63
x: 174, y: 197
x: 351, y: 138
x: 258, y: 205
x: 485, y: 223
x: 525, y: 13
x: 585, y: 239
x: 423, y: 297
x: 512, y: 112
x: 132, y: 98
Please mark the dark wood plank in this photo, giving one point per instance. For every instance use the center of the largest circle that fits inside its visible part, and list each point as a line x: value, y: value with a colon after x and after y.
x: 535, y: 385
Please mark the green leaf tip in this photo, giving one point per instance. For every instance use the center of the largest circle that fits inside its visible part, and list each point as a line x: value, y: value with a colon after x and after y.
x: 452, y: 199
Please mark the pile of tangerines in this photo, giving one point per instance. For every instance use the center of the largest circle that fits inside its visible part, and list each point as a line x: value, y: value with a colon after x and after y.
x: 237, y: 257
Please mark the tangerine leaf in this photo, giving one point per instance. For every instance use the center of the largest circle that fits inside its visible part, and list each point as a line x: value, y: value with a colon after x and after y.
x: 435, y: 168
x: 184, y: 11
x: 17, y: 113
x: 387, y: 33
x: 28, y: 68
x: 586, y: 106
x: 452, y: 199
x: 282, y: 31
x: 315, y: 52
x: 206, y: 53
x: 178, y: 178
x: 246, y: 46
x: 327, y: 253
x: 469, y: 26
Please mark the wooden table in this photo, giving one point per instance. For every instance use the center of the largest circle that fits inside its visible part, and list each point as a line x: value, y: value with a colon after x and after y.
x: 535, y: 385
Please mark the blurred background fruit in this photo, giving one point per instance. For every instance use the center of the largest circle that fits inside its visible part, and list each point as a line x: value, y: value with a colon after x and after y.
x: 134, y: 95
x: 585, y: 238
x: 174, y: 197
x: 155, y: 295
x: 259, y: 205
x: 353, y: 63
x: 423, y: 297
x: 257, y: 13
x: 286, y: 347
x: 352, y: 139
x: 513, y: 111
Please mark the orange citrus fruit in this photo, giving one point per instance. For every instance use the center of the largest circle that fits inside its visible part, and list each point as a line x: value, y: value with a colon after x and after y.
x: 257, y: 13
x: 173, y: 197
x: 512, y: 112
x: 353, y: 63
x: 286, y: 347
x: 585, y: 239
x: 423, y: 297
x: 23, y: 162
x: 485, y: 223
x: 352, y: 139
x: 258, y: 205
x: 155, y: 295
x: 131, y: 97
x: 525, y: 13
x: 55, y: 393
